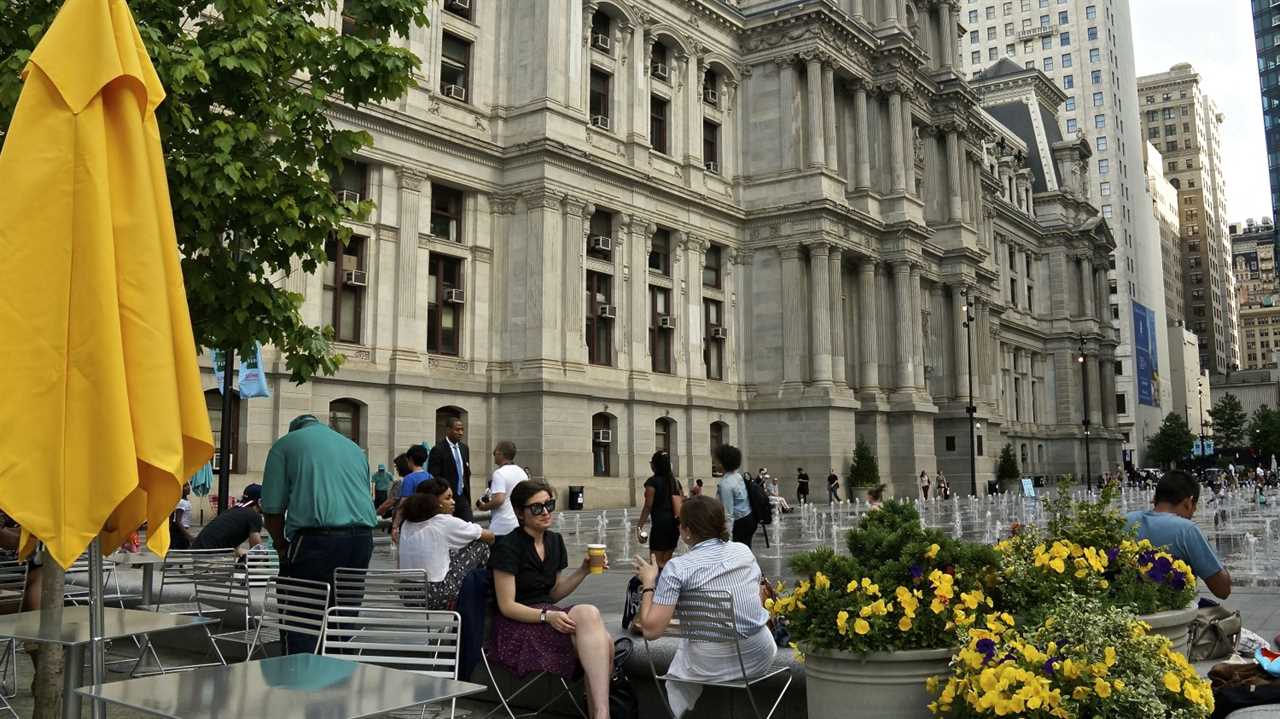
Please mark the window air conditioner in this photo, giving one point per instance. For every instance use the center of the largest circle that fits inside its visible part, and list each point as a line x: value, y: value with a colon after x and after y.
x: 659, y: 70
x: 455, y: 297
x: 719, y: 333
x: 600, y: 121
x: 712, y: 166
x: 711, y: 97
x: 355, y: 278
x: 348, y: 196
x: 602, y: 436
x: 602, y: 243
x: 457, y: 92
x: 463, y: 5
x: 601, y: 41
x: 666, y: 322
x: 607, y: 312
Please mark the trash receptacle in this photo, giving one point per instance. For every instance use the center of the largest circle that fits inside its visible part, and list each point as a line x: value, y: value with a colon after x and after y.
x: 576, y: 493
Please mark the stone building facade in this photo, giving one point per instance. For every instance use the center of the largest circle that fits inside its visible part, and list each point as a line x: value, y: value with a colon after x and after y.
x: 1253, y: 261
x: 605, y: 228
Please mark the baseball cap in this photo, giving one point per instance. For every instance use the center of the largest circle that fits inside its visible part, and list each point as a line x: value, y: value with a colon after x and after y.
x: 252, y: 494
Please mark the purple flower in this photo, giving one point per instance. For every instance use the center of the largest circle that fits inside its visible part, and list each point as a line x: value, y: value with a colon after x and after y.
x: 1177, y: 580
x: 1147, y: 557
x: 1112, y: 554
x: 1048, y: 666
x: 987, y: 648
x: 1160, y: 570
x: 917, y: 571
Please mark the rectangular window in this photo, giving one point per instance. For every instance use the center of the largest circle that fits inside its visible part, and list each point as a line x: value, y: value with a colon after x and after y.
x: 1048, y: 64
x: 1098, y: 99
x: 600, y: 235
x: 1104, y: 166
x: 1122, y: 404
x: 990, y: 12
x: 446, y: 212
x: 455, y: 65
x: 1095, y: 55
x: 1069, y: 105
x: 991, y: 53
x: 1091, y: 12
x: 991, y: 33
x: 1068, y: 82
x: 973, y: 17
x: 1105, y: 189
x: 950, y: 442
x: 975, y: 57
x: 975, y: 37
x: 1063, y: 18
x: 1066, y: 61
x: 1008, y: 29
x: 1095, y: 77
x: 1072, y: 125
x: 600, y: 85
x: 1046, y: 42
x: 658, y: 124
x: 712, y: 338
x: 660, y: 336
x: 711, y: 267
x: 711, y: 146
x: 352, y: 184
x: 1064, y: 39
x: 1100, y: 121
x: 660, y: 252
x: 444, y: 308
x: 599, y: 322
x: 1101, y: 142
x: 344, y: 284
x: 1093, y: 33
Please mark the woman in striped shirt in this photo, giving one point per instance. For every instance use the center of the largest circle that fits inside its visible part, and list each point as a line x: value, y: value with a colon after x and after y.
x: 713, y: 563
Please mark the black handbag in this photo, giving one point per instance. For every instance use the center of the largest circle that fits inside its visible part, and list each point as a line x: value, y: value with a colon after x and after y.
x: 623, y: 703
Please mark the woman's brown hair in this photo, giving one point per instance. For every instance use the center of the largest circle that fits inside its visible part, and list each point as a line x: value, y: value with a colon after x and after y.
x: 704, y: 518
x: 525, y: 491
x: 424, y: 503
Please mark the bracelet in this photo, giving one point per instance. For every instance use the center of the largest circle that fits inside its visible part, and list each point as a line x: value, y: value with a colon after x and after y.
x: 646, y: 590
x: 542, y: 618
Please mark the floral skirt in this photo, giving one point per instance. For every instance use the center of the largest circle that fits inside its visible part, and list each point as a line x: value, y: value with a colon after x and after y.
x: 526, y: 648
x: 444, y: 593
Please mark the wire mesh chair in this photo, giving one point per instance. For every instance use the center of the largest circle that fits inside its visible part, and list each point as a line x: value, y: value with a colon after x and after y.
x: 13, y: 586
x: 708, y: 616
x: 292, y: 605
x: 415, y: 640
x: 77, y: 589
x: 380, y: 588
x: 259, y: 566
x: 215, y: 593
x: 180, y: 569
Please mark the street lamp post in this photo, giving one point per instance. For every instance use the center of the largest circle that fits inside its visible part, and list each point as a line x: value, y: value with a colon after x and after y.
x: 971, y: 409
x: 1200, y: 419
x: 1084, y: 382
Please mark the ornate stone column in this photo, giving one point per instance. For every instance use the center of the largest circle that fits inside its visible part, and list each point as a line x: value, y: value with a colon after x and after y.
x: 904, y: 346
x: 410, y: 334
x: 908, y: 145
x: 1109, y: 418
x: 814, y: 112
x: 897, y: 166
x: 836, y: 281
x: 820, y: 313
x: 955, y: 206
x: 916, y: 325
x: 947, y: 25
x: 868, y: 350
x: 1090, y: 292
x: 960, y: 345
x: 829, y: 116
x: 862, y: 177
x: 1095, y: 391
x: 890, y: 13
x: 792, y: 327
x: 791, y: 148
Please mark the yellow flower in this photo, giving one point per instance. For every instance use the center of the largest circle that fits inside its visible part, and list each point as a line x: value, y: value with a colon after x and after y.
x: 820, y: 581
x: 1109, y: 656
x: 1118, y: 684
x: 1172, y: 682
x: 1102, y: 688
x: 842, y: 622
x: 1080, y: 693
x: 1057, y: 565
x: 904, y: 624
x: 933, y: 551
x: 860, y: 627
x: 852, y: 586
x: 931, y: 685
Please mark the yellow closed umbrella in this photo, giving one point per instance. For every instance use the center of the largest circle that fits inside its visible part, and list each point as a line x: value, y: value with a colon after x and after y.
x: 101, y: 411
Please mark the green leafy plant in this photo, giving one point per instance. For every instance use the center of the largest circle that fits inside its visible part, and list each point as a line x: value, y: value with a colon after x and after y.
x: 1172, y: 443
x: 1086, y: 659
x: 1087, y: 522
x: 250, y: 144
x: 900, y: 587
x: 1228, y: 421
x: 865, y: 471
x: 1007, y: 468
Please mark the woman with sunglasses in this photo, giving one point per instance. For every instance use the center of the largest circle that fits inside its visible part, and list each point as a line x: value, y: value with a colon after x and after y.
x: 531, y: 632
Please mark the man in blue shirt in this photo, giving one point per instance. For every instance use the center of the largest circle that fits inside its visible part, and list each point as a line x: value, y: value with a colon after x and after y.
x: 732, y: 492
x: 1168, y: 524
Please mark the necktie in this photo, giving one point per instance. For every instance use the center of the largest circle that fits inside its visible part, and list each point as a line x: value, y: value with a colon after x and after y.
x: 457, y: 465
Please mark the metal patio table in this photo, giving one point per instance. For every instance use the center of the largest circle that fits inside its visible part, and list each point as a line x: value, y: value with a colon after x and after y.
x: 147, y: 561
x: 73, y: 633
x: 305, y: 686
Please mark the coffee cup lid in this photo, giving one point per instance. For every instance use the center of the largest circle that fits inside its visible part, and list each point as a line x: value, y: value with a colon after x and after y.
x: 595, y: 546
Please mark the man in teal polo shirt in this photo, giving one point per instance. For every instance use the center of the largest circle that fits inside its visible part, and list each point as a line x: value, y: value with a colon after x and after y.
x: 315, y: 503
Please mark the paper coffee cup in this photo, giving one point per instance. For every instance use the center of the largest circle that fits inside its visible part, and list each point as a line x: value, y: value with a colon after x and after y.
x: 596, y: 553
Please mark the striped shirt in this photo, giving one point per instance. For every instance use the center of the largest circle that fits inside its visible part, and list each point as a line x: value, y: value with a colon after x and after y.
x: 716, y: 565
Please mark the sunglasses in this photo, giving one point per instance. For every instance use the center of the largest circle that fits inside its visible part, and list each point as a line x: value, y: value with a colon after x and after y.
x: 546, y: 507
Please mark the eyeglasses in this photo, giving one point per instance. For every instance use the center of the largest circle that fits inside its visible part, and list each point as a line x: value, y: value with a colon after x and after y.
x: 546, y: 507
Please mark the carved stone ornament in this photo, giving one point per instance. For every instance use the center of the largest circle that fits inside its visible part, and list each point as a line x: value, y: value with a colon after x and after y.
x: 411, y: 178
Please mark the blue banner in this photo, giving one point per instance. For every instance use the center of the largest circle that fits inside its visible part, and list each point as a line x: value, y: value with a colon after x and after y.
x: 1146, y: 355
x: 253, y: 383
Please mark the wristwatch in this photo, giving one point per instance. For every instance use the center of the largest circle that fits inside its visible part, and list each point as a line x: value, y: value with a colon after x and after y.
x: 543, y: 617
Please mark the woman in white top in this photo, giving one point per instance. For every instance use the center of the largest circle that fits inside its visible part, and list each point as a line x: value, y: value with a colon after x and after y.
x: 431, y: 538
x: 502, y: 518
x: 713, y: 563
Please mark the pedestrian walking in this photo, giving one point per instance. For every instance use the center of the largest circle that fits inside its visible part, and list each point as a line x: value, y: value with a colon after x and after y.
x: 732, y: 492
x: 802, y: 486
x: 924, y: 484
x: 833, y: 487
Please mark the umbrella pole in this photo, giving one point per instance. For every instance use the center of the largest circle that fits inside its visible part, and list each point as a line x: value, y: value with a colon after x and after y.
x: 95, y: 621
x: 224, y: 443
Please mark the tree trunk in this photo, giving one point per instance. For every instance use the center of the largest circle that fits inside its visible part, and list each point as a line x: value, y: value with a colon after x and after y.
x: 49, y: 658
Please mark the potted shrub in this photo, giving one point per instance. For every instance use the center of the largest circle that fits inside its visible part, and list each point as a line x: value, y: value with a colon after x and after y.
x: 1086, y: 659
x: 1007, y: 470
x: 878, y: 623
x: 864, y: 471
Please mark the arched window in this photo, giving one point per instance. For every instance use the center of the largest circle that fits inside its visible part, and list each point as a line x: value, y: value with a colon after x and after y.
x: 444, y: 416
x: 602, y: 443
x: 213, y: 403
x: 664, y: 435
x: 345, y: 419
x: 719, y: 436
x: 1023, y: 452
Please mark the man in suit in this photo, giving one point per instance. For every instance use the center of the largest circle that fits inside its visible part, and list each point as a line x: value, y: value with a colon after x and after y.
x: 450, y: 460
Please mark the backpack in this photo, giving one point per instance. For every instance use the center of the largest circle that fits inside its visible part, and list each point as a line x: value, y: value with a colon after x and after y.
x: 760, y: 504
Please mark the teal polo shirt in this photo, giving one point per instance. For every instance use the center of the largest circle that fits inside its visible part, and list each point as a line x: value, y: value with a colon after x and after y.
x: 317, y: 478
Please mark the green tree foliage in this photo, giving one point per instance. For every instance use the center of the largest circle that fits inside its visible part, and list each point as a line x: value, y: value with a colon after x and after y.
x: 249, y: 144
x: 865, y: 471
x: 1172, y: 443
x: 1007, y: 468
x: 1228, y: 421
x: 1264, y: 432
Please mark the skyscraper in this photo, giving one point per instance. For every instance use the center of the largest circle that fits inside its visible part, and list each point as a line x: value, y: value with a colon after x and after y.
x: 1266, y: 33
x: 1187, y: 124
x: 1086, y: 48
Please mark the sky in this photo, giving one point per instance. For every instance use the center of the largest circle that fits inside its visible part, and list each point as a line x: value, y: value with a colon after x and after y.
x: 1216, y: 37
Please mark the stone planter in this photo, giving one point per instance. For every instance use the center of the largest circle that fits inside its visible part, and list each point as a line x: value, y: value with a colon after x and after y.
x: 882, y: 685
x: 1174, y: 624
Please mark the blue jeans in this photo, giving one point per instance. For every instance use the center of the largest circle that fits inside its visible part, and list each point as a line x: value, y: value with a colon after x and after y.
x: 314, y: 556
